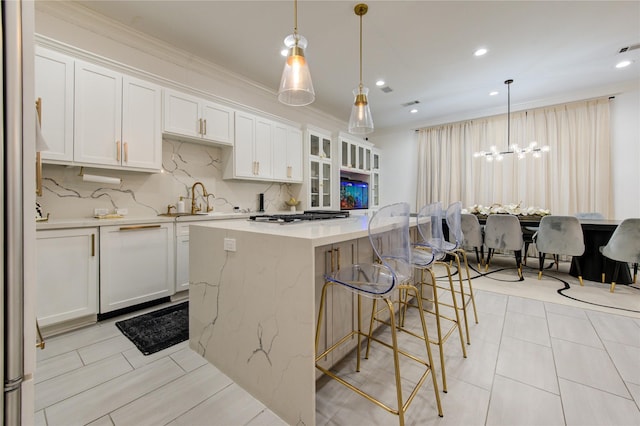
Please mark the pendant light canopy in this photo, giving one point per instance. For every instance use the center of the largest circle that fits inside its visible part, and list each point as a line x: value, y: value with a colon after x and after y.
x: 296, y: 87
x: 360, y: 121
x: 497, y: 155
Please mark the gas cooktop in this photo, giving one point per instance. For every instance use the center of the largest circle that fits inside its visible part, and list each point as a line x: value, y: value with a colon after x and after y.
x: 299, y: 217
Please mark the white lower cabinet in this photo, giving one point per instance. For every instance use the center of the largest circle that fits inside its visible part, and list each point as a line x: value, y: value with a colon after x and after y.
x: 67, y: 275
x: 182, y: 257
x: 136, y: 264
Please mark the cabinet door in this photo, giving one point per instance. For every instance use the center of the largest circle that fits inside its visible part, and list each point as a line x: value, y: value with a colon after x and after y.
x: 217, y: 123
x: 67, y: 275
x: 136, y: 264
x: 182, y: 263
x: 280, y: 154
x: 141, y: 125
x: 244, y: 161
x: 98, y: 114
x: 294, y: 155
x: 181, y: 114
x: 54, y: 85
x: 263, y: 148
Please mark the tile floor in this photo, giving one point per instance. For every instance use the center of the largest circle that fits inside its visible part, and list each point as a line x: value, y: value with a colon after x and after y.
x: 530, y: 362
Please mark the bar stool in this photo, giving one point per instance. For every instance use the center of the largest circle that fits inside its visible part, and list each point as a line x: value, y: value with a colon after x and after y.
x: 389, y: 238
x: 423, y: 258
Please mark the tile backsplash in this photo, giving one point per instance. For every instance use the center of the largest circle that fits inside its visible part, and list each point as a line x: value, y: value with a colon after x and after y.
x: 67, y: 196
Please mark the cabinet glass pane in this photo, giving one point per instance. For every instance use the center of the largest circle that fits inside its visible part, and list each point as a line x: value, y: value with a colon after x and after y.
x: 375, y: 161
x: 376, y: 191
x: 315, y: 178
x: 353, y: 157
x: 367, y: 159
x: 345, y: 154
x: 326, y: 184
x: 326, y: 147
x: 315, y: 145
x: 315, y: 200
x: 361, y: 158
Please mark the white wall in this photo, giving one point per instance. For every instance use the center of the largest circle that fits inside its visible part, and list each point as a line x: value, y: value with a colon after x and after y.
x: 400, y: 150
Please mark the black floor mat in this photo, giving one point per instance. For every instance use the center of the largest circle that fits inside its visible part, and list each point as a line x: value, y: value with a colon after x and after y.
x: 158, y: 330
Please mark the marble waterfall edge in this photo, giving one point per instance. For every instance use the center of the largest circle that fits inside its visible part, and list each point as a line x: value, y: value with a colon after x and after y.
x: 252, y: 315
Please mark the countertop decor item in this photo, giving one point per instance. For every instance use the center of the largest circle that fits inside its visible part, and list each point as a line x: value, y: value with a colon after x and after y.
x: 292, y: 203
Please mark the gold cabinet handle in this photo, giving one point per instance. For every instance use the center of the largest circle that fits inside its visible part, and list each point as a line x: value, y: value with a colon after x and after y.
x: 199, y: 126
x: 118, y: 151
x: 338, y: 262
x: 138, y: 227
x: 40, y: 339
x: 93, y: 245
x: 289, y: 172
x: 126, y: 152
x: 258, y: 167
x: 205, y: 127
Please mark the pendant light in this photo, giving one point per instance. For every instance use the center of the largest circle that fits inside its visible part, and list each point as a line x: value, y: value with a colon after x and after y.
x: 360, y: 121
x: 296, y: 88
x: 495, y: 154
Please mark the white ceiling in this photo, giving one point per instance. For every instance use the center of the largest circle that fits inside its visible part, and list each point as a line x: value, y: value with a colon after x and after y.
x: 555, y: 51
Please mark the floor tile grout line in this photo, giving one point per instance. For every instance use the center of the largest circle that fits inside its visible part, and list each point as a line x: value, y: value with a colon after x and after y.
x: 203, y: 401
x: 495, y: 366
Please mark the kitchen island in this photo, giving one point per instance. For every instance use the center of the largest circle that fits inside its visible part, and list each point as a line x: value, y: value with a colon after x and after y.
x: 254, y: 287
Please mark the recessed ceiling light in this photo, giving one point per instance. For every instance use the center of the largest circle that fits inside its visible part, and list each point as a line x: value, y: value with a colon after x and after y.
x: 480, y: 52
x: 493, y: 93
x: 623, y: 64
x: 380, y: 83
x: 413, y: 111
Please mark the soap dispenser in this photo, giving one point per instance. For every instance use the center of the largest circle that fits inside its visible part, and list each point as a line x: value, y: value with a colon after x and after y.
x: 180, y: 207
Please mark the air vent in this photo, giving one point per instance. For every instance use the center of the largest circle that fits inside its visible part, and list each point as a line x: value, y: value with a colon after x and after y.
x: 410, y: 103
x: 386, y: 89
x: 628, y: 48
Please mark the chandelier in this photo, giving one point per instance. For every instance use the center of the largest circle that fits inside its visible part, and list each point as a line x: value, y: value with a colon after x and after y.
x: 495, y: 154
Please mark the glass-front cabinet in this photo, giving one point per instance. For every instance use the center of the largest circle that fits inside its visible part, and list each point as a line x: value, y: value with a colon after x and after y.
x: 355, y: 156
x: 320, y: 180
x: 374, y: 186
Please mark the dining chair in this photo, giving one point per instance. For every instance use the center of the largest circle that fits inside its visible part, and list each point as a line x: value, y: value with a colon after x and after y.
x: 503, y: 232
x: 559, y: 235
x: 623, y: 246
x: 424, y: 257
x: 388, y: 231
x: 472, y: 235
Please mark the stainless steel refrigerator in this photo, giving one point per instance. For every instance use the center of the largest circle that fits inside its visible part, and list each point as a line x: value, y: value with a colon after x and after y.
x: 17, y: 183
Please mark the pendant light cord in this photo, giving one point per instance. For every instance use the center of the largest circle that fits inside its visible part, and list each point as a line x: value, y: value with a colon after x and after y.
x: 295, y: 18
x: 508, y: 83
x: 360, y: 86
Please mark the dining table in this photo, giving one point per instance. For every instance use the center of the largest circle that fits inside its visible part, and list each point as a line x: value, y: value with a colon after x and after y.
x: 592, y: 263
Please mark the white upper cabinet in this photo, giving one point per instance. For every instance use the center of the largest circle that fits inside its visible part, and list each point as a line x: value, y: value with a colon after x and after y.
x: 264, y: 150
x: 98, y: 115
x: 196, y: 119
x: 320, y: 170
x: 287, y: 153
x: 141, y: 124
x: 355, y: 156
x: 117, y: 119
x: 54, y: 86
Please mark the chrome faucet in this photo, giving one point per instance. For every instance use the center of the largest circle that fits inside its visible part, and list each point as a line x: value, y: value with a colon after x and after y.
x: 194, y: 208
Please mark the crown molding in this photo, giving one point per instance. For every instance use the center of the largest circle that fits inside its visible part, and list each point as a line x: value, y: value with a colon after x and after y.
x: 94, y: 22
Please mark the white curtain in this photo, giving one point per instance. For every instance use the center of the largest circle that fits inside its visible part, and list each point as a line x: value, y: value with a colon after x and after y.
x: 573, y: 177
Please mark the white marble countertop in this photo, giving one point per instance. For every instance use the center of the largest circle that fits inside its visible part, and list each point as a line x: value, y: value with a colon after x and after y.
x: 320, y: 232
x: 90, y: 222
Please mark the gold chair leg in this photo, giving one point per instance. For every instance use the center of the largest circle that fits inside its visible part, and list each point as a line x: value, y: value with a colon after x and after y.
x: 580, y: 280
x: 603, y: 278
x: 539, y: 275
x: 473, y: 299
x: 613, y: 286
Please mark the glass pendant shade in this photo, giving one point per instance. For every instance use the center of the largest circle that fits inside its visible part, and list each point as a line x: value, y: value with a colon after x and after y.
x: 360, y: 121
x: 296, y: 87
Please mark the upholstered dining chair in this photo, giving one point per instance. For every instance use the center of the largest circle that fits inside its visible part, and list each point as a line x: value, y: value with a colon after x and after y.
x: 424, y: 257
x: 559, y: 235
x: 503, y: 232
x: 389, y: 238
x: 472, y: 235
x: 623, y: 246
